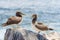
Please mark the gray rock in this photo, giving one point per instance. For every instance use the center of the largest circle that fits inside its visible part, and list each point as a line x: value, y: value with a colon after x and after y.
x: 22, y: 34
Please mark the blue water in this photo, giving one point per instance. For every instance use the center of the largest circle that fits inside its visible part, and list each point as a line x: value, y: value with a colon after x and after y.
x: 48, y: 12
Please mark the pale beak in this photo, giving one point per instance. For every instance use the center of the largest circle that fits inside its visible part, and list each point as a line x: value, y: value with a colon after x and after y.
x: 23, y: 14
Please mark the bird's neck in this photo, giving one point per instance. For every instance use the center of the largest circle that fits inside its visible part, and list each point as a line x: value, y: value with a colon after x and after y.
x: 34, y: 20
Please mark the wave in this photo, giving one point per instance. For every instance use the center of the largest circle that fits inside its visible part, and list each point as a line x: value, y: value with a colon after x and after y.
x: 10, y: 8
x: 51, y: 6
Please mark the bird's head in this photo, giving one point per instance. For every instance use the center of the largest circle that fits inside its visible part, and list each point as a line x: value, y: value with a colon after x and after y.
x: 34, y: 16
x: 19, y: 14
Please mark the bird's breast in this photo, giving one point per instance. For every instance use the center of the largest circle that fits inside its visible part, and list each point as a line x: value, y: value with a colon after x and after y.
x: 36, y: 29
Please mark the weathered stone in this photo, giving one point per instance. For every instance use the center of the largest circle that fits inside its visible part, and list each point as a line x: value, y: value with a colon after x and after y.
x: 22, y: 34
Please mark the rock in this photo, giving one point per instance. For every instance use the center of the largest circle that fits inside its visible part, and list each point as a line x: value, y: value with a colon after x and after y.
x: 22, y: 34
x: 53, y: 36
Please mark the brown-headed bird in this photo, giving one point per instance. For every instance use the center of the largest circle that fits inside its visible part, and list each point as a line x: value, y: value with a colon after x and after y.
x: 38, y: 26
x: 14, y: 19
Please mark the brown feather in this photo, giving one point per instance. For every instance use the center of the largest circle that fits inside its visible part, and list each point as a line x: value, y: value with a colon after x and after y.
x: 41, y: 27
x: 14, y: 20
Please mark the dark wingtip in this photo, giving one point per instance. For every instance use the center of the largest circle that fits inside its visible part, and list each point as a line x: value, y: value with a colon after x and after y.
x: 4, y: 24
x: 51, y: 29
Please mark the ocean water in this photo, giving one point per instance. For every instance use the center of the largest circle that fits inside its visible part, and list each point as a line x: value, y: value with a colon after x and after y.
x: 48, y: 12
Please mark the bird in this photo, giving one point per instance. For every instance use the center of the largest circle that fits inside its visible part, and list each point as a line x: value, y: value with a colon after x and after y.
x: 39, y: 26
x: 14, y: 19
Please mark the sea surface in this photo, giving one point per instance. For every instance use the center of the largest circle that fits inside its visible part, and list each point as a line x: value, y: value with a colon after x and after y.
x: 48, y: 12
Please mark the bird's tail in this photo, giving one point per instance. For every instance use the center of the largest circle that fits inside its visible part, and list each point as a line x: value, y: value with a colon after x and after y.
x: 51, y: 29
x: 4, y: 24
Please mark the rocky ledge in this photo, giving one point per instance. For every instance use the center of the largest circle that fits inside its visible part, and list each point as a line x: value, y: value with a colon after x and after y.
x: 22, y: 34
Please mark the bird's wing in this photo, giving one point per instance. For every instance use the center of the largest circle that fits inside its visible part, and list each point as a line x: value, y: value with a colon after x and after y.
x: 11, y: 20
x: 14, y: 18
x: 41, y: 26
x: 39, y: 23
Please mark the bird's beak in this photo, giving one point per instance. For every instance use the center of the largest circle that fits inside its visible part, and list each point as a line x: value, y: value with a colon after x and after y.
x: 23, y: 14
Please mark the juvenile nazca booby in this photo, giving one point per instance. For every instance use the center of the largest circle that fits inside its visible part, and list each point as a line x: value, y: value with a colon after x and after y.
x: 14, y: 19
x: 38, y: 26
